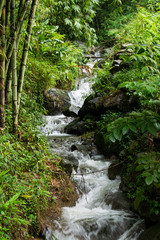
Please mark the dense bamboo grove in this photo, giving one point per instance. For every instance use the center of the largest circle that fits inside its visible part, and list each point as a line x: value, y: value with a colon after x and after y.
x: 11, y: 77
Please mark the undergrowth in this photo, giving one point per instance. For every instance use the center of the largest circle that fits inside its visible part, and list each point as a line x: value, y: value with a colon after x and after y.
x: 24, y: 175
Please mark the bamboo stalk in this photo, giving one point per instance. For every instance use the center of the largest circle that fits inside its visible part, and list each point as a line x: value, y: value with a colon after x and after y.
x: 17, y: 30
x: 14, y: 69
x: 2, y: 70
x: 21, y: 5
x: 7, y: 18
x: 8, y: 78
x: 8, y: 85
x: 26, y: 49
x: 1, y: 7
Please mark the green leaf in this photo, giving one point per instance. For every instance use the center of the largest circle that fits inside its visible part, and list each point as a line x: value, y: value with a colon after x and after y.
x: 139, y: 168
x: 133, y: 128
x: 117, y: 134
x: 111, y: 138
x: 144, y: 127
x: 157, y: 125
x: 125, y: 130
x: 151, y: 129
x: 4, y: 172
x: 149, y: 180
x: 13, y: 199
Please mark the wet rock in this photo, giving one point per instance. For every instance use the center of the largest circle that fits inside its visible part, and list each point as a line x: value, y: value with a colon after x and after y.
x: 118, y: 65
x: 125, y: 50
x: 152, y: 233
x: 92, y: 106
x: 107, y: 148
x: 68, y: 113
x: 69, y: 163
x: 56, y: 101
x: 67, y: 166
x: 120, y: 101
x: 79, y: 127
x: 80, y: 147
x: 118, y: 200
x: 117, y: 101
x: 114, y: 170
x: 123, y: 187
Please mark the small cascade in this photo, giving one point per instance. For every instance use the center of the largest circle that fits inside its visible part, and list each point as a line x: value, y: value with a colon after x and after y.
x: 54, y: 125
x: 78, y: 96
x: 92, y: 218
x: 83, y: 88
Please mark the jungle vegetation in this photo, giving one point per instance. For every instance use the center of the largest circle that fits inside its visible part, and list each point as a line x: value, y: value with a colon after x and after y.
x: 38, y: 49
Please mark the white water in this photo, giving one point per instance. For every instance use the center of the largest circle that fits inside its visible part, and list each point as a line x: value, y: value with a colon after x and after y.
x: 83, y: 89
x: 91, y: 218
x: 54, y: 125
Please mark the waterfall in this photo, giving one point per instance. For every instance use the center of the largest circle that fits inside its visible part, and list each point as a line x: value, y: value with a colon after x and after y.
x: 91, y: 218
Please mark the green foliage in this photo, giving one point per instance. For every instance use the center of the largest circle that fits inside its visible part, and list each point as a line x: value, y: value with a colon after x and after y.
x: 107, y: 119
x: 136, y: 131
x: 147, y: 90
x: 112, y: 15
x: 39, y: 75
x: 102, y: 82
x: 143, y: 122
x: 142, y: 179
x: 53, y: 62
x: 74, y: 18
x: 24, y: 183
x: 149, y: 165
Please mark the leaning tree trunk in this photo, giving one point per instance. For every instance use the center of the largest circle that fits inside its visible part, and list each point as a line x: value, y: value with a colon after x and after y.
x: 26, y: 49
x: 2, y: 69
x: 14, y: 69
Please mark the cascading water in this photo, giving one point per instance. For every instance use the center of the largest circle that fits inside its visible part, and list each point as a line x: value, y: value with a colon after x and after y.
x: 91, y: 218
x: 83, y: 89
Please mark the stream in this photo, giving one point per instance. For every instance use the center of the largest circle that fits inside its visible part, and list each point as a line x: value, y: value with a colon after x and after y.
x: 93, y: 217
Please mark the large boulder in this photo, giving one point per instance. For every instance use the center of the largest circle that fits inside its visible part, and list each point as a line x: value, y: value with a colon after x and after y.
x: 152, y: 233
x: 118, y: 200
x: 56, y: 101
x: 92, y: 106
x: 114, y: 169
x: 108, y: 148
x: 116, y: 101
x: 78, y: 127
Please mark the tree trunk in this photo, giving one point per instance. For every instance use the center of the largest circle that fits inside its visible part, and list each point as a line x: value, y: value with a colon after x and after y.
x: 2, y: 69
x: 26, y: 49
